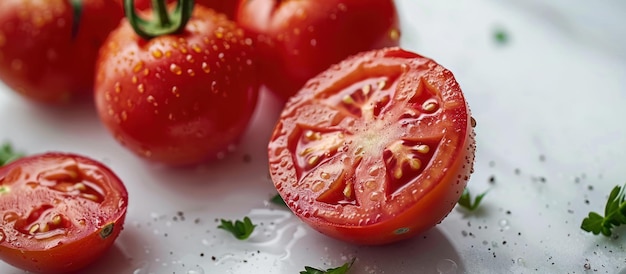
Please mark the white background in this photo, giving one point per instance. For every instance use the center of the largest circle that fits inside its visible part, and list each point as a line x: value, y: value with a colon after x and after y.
x: 555, y: 90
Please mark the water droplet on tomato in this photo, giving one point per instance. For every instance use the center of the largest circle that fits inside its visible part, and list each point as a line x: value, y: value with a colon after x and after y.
x: 176, y: 69
x: 446, y: 266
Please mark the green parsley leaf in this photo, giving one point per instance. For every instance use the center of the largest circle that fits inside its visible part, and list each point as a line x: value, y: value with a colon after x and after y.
x: 277, y: 200
x: 614, y: 214
x: 466, y: 200
x: 241, y: 230
x: 337, y: 270
x: 501, y: 36
x: 7, y: 154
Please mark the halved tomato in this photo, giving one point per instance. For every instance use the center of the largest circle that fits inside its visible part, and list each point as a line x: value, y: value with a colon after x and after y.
x: 376, y: 149
x: 60, y: 212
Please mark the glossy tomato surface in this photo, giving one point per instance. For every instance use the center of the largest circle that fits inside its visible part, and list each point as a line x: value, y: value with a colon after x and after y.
x: 300, y: 38
x: 60, y: 212
x: 376, y: 149
x: 178, y: 99
x: 48, y: 49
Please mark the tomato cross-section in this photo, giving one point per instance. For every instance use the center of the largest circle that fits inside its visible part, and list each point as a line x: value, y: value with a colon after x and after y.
x: 376, y: 149
x: 60, y: 212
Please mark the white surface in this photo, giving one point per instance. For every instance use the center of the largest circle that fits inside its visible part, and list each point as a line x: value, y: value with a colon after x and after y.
x: 556, y: 89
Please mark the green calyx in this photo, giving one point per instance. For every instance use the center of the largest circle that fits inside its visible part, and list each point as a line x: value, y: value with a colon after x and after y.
x: 163, y: 22
x: 77, y: 7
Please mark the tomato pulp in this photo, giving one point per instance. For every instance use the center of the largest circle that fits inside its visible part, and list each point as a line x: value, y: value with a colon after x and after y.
x: 60, y: 212
x: 376, y: 149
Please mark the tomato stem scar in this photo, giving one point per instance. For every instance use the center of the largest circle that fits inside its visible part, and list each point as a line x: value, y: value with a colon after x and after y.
x: 107, y: 230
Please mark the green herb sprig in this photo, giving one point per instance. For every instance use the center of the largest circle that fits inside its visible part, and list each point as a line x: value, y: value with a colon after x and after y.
x: 8, y: 154
x: 337, y: 270
x: 614, y: 214
x: 278, y: 200
x: 466, y: 200
x: 240, y: 229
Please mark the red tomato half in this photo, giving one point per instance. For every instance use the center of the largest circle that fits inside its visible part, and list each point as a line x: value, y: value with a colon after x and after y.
x: 47, y: 52
x: 60, y: 212
x: 299, y: 39
x: 376, y: 149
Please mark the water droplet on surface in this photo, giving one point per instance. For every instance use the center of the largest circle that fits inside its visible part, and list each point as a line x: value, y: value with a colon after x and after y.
x: 504, y: 224
x: 196, y: 270
x: 446, y: 266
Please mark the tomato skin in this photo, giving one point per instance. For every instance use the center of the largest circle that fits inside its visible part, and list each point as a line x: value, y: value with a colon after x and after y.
x: 227, y: 7
x: 374, y: 150
x: 38, y: 188
x: 178, y: 99
x: 39, y: 58
x: 299, y: 39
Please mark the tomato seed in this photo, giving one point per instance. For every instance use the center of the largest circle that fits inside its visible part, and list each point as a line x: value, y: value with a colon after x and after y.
x: 33, y: 229
x: 348, y: 100
x: 382, y: 84
x: 347, y: 191
x: 367, y: 89
x: 56, y: 220
x: 422, y: 149
x: 430, y: 106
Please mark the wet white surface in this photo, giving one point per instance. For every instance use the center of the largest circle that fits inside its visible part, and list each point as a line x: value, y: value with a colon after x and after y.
x: 549, y: 105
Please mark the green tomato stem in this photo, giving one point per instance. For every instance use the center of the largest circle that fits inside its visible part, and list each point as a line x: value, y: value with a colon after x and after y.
x: 163, y: 22
x: 77, y: 8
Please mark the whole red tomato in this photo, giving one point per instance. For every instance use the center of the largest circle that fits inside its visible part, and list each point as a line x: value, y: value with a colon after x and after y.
x: 178, y: 98
x: 61, y: 212
x: 300, y: 38
x: 375, y: 149
x: 48, y: 49
x: 227, y: 7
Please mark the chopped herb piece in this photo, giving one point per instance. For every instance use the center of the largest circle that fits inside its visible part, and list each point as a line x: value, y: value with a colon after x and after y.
x: 501, y: 36
x: 277, y: 200
x: 338, y: 270
x: 614, y: 214
x: 7, y: 154
x: 466, y: 200
x: 241, y: 230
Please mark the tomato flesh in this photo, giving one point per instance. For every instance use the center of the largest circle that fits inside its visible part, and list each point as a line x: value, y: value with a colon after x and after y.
x: 376, y: 149
x: 60, y: 212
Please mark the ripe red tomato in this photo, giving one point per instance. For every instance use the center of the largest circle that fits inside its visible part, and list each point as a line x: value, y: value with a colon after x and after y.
x: 178, y: 99
x: 60, y: 212
x: 299, y: 39
x: 46, y: 53
x: 227, y: 7
x: 376, y: 149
